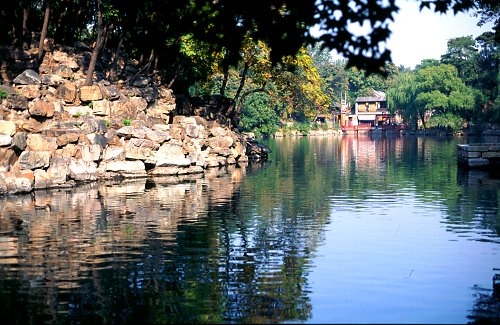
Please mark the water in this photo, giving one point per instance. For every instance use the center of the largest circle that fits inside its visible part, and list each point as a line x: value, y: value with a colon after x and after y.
x: 329, y: 230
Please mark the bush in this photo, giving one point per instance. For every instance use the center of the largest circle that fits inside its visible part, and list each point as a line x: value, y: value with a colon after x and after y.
x: 258, y: 115
x: 447, y: 121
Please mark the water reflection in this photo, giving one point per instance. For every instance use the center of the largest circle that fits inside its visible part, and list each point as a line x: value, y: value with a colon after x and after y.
x: 149, y: 251
x: 328, y: 226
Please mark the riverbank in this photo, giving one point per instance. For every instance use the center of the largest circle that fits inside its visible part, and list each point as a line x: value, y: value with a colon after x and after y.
x: 57, y: 132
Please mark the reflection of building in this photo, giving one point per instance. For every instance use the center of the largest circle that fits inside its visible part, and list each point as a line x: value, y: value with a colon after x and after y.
x: 368, y: 112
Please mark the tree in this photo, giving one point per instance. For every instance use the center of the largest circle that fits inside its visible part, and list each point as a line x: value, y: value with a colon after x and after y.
x: 488, y: 65
x: 462, y: 53
x: 432, y: 92
x: 98, y: 45
x: 43, y: 34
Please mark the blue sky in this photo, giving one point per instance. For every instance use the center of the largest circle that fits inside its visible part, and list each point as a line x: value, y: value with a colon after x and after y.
x: 418, y: 35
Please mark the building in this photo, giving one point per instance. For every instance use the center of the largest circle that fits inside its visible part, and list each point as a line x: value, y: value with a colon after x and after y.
x: 368, y: 112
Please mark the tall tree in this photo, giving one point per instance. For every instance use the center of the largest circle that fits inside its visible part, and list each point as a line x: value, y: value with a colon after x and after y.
x: 433, y: 91
x: 462, y: 53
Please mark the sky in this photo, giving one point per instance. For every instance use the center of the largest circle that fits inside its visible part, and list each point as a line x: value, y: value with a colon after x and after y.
x: 424, y: 35
x: 418, y: 35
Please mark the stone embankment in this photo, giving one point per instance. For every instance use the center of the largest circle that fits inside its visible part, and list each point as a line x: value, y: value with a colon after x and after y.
x: 56, y: 132
x: 478, y: 155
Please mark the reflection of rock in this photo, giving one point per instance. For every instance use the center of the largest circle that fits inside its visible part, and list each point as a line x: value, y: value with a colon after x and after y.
x: 8, y: 250
x: 67, y: 232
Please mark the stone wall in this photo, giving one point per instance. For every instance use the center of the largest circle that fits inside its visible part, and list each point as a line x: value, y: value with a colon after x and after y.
x: 478, y: 155
x: 56, y: 132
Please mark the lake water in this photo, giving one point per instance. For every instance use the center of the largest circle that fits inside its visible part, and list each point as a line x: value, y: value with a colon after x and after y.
x: 329, y: 230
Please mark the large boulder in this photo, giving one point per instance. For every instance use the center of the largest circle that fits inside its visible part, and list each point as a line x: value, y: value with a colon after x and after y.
x: 28, y: 77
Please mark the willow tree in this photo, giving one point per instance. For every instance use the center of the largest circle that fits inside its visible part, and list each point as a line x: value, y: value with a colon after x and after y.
x: 432, y: 94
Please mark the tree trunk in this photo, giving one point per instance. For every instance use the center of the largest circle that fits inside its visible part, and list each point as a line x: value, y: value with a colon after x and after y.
x: 114, y: 64
x: 242, y: 81
x: 146, y: 67
x: 25, y: 37
x: 422, y: 119
x: 222, y: 90
x: 43, y: 34
x: 99, y: 42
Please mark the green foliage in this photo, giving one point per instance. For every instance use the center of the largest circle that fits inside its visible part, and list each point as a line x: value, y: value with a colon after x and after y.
x: 126, y: 122
x: 259, y: 116
x: 431, y: 90
x: 462, y: 54
x: 302, y: 127
x: 3, y: 94
x: 448, y: 121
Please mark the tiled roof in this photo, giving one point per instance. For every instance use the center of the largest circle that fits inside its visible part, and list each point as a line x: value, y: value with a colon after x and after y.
x: 379, y: 97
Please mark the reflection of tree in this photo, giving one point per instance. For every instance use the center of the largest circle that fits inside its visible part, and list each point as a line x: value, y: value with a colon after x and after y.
x: 487, y: 306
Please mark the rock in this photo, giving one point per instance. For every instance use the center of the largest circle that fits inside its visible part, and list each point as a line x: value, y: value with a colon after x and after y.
x: 65, y: 60
x: 66, y: 138
x: 38, y: 142
x: 31, y: 160
x: 63, y: 71
x: 29, y: 91
x: 91, y: 125
x: 77, y: 111
x: 140, y: 149
x: 90, y: 93
x: 98, y: 139
x: 5, y: 140
x: 110, y: 92
x: 171, y: 154
x: 157, y: 136
x: 91, y: 152
x: 113, y: 153
x: 220, y: 143
x: 59, y: 170
x: 7, y: 128
x: 19, y: 141
x: 101, y: 107
x: 8, y: 158
x: 52, y: 80
x: 81, y: 170
x: 28, y: 77
x: 32, y: 126
x: 139, y: 103
x: 141, y: 82
x: 177, y: 132
x: 67, y: 92
x: 41, y: 108
x: 135, y: 168
x: 131, y: 132
x: 19, y: 181
x: 42, y: 179
x: 17, y: 102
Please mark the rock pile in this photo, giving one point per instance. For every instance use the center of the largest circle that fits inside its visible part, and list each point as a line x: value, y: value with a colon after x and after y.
x: 56, y: 132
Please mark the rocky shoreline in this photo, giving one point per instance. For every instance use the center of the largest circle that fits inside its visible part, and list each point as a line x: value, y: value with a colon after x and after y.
x: 55, y: 132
